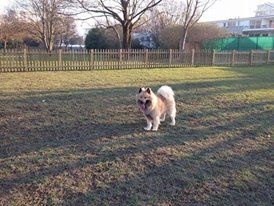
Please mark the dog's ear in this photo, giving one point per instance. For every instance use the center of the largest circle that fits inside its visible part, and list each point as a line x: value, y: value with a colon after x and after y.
x: 148, y: 90
x: 141, y: 89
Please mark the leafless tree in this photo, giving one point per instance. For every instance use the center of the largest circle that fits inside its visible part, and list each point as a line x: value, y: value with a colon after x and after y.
x: 11, y: 29
x: 111, y: 25
x: 67, y: 32
x: 192, y: 12
x: 169, y: 37
x: 43, y: 19
x: 166, y: 15
x: 127, y: 13
x: 201, y: 32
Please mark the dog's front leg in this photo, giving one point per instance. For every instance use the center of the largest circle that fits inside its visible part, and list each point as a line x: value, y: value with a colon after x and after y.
x: 149, y: 125
x: 156, y: 122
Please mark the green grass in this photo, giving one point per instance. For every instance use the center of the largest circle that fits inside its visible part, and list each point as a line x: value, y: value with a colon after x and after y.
x: 76, y: 138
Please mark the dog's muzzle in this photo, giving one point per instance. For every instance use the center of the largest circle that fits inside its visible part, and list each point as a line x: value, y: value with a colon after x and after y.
x: 144, y: 104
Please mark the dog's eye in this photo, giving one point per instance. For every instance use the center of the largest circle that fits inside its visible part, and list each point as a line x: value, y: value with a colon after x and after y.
x: 140, y: 102
x: 148, y: 101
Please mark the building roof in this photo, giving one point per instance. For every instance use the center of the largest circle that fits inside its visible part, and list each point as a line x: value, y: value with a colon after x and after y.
x: 258, y: 29
x: 243, y: 19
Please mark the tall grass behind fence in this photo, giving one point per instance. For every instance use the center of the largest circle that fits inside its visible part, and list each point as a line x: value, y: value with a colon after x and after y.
x: 37, y: 60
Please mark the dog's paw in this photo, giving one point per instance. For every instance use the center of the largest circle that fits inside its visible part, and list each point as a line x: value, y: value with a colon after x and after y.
x: 172, y: 123
x: 147, y: 128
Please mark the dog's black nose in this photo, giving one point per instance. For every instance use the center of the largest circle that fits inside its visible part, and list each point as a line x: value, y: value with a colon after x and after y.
x: 148, y: 102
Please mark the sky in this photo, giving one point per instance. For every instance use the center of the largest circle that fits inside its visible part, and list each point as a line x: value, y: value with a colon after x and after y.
x: 226, y: 9
x: 222, y: 9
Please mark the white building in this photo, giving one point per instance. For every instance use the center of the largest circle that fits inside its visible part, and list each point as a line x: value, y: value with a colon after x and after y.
x: 260, y: 25
x: 265, y: 9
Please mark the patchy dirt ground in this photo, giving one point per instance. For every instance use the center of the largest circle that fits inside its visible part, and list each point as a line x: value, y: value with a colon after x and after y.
x: 76, y: 138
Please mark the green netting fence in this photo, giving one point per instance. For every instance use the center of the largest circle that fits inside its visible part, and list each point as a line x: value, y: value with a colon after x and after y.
x: 240, y: 43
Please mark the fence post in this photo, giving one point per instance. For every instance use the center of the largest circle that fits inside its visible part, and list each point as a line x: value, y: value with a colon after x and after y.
x: 170, y: 58
x: 251, y: 57
x: 60, y: 58
x: 213, y: 57
x: 146, y: 57
x: 233, y: 58
x: 91, y: 60
x: 25, y: 60
x: 268, y: 57
x: 192, y: 57
x: 120, y: 58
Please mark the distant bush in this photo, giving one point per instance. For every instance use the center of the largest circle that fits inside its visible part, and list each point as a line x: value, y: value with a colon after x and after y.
x: 96, y: 39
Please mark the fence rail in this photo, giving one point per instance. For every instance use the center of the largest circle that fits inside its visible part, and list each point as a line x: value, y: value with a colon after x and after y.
x: 62, y: 60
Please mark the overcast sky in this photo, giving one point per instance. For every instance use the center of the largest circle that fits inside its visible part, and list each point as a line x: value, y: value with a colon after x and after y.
x: 223, y: 9
x: 226, y: 9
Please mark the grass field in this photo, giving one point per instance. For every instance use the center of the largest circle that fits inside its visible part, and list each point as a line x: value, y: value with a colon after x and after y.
x: 76, y: 138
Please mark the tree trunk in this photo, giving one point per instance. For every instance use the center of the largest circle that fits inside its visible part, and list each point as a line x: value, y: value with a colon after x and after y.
x: 130, y: 35
x: 61, y: 41
x: 125, y: 37
x: 50, y: 47
x: 183, y: 40
x: 5, y: 44
x: 118, y: 37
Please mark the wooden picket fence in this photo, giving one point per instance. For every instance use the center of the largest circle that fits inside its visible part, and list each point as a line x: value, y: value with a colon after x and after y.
x: 64, y: 60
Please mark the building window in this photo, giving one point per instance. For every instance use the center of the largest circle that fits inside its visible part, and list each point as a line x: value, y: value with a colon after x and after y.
x: 255, y: 24
x: 271, y: 24
x: 254, y: 35
x: 231, y: 23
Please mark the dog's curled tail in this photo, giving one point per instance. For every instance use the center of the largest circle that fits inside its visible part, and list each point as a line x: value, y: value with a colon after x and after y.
x: 166, y: 92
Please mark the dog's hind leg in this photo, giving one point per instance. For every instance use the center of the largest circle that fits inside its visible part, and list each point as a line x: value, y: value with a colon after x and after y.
x: 163, y: 117
x: 172, y: 114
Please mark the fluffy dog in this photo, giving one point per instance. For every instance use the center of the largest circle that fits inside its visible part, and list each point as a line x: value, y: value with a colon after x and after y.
x: 156, y: 106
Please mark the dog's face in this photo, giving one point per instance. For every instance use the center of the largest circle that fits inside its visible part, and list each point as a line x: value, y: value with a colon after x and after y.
x: 144, y: 99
